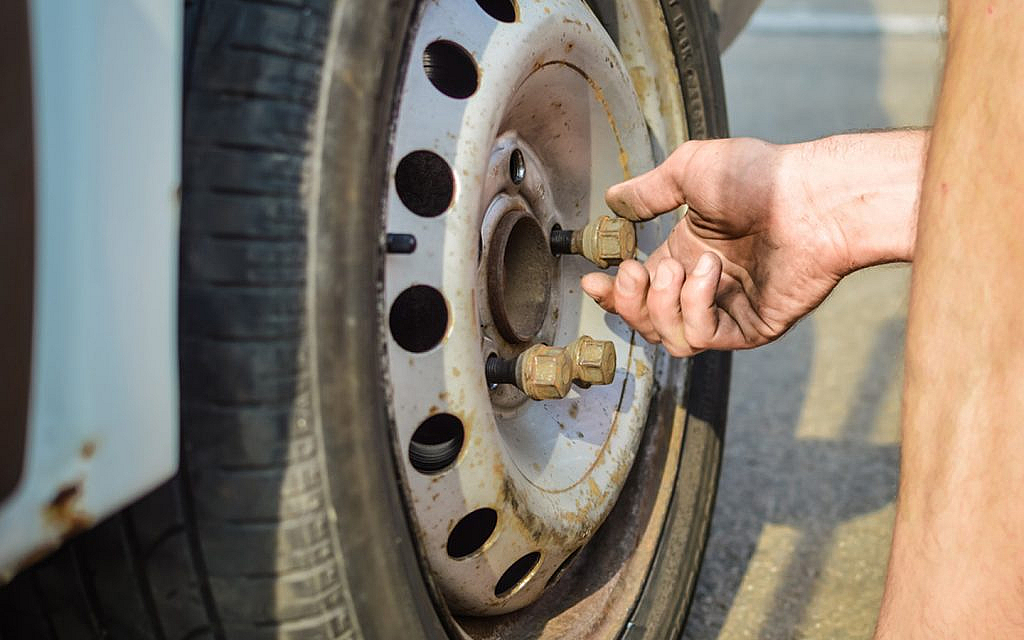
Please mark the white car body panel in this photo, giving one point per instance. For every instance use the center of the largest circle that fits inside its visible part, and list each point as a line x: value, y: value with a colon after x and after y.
x: 103, y: 407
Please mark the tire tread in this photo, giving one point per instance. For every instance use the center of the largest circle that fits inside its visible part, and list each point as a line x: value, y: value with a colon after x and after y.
x: 238, y: 544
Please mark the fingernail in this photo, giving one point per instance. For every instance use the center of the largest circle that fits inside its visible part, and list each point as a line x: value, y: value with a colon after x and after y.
x: 704, y: 264
x: 662, y: 277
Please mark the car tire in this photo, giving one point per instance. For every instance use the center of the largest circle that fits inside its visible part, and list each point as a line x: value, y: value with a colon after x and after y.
x: 286, y: 519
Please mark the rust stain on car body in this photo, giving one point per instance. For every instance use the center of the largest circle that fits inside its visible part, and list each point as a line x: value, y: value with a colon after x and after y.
x: 62, y: 512
x: 61, y: 516
x: 88, y: 449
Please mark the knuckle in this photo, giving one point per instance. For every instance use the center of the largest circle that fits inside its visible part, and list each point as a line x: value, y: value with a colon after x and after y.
x: 658, y: 307
x: 651, y: 336
x: 698, y: 340
x: 689, y: 298
x: 677, y: 350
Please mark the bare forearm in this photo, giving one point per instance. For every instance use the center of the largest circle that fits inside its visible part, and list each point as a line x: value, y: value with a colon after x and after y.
x: 957, y: 566
x: 868, y: 184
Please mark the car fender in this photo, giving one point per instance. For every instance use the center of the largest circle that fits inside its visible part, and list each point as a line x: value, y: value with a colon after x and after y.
x: 102, y: 403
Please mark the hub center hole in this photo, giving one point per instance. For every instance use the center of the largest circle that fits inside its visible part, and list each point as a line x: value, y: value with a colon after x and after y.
x: 519, y: 276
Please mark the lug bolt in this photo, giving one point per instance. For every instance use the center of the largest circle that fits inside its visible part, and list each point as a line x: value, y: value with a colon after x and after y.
x: 541, y: 372
x: 546, y: 373
x: 401, y: 243
x: 606, y: 242
x: 593, y: 361
x: 500, y: 371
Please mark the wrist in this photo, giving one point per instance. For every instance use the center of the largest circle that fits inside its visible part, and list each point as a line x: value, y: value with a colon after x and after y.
x: 861, y: 191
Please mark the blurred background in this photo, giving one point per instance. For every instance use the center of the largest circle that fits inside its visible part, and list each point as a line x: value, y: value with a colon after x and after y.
x: 802, y: 526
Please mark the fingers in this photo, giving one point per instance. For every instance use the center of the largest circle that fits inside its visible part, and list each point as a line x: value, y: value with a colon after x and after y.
x: 672, y: 307
x: 626, y: 295
x: 701, y: 315
x: 682, y: 306
x: 630, y: 290
x: 663, y: 307
x: 653, y: 193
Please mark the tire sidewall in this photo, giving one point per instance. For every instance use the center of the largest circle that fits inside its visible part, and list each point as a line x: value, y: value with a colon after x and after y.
x: 390, y: 593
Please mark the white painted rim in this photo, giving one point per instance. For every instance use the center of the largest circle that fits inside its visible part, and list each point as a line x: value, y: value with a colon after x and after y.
x: 553, y: 85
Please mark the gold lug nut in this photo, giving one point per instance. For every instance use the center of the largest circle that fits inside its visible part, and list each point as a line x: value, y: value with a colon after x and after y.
x: 606, y: 242
x: 544, y: 373
x: 593, y: 361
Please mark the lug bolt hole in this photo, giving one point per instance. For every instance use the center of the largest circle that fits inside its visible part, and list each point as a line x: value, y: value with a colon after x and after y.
x: 489, y: 364
x: 560, y: 240
x: 517, y: 166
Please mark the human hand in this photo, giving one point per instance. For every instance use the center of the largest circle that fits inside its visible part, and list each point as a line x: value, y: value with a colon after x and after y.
x: 769, y: 232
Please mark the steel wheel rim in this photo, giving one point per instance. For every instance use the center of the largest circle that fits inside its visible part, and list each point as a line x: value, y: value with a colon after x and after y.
x: 447, y: 378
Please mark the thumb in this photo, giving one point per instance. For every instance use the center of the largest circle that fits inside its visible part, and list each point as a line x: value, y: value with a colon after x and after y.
x: 653, y: 193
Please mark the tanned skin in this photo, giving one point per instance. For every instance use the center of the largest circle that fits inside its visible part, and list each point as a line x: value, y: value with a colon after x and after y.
x: 957, y: 564
x: 771, y: 229
x: 769, y: 232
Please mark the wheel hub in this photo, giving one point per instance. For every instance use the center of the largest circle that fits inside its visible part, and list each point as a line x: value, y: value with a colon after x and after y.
x: 520, y: 271
x: 514, y: 127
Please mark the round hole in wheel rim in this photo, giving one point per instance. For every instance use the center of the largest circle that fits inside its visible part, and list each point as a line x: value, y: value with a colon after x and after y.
x: 501, y: 10
x: 425, y: 183
x: 419, y: 318
x: 516, y: 575
x: 436, y: 443
x: 472, y: 532
x: 450, y: 68
x: 562, y: 567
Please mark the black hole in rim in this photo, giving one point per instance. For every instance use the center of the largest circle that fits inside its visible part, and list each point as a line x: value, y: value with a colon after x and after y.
x: 472, y: 532
x: 561, y: 568
x: 501, y: 10
x: 425, y: 183
x: 419, y: 318
x: 516, y: 166
x: 436, y: 443
x: 450, y: 68
x: 515, y: 574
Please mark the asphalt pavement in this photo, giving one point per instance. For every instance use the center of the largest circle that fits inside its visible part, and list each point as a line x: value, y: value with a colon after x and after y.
x: 804, y: 516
